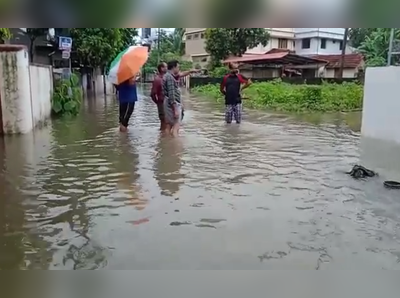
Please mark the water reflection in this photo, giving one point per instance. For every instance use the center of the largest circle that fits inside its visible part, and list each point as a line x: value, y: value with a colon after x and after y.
x: 167, y: 165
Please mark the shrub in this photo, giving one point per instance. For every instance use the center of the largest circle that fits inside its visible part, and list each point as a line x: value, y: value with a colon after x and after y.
x: 67, y: 96
x: 218, y: 72
x: 281, y: 96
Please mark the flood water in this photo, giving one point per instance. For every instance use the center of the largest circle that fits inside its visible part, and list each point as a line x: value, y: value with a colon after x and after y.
x: 268, y: 194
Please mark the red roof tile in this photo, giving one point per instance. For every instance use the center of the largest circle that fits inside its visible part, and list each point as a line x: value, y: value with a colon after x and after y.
x: 350, y: 60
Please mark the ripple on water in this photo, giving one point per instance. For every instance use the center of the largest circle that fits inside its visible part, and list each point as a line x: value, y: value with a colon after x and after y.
x: 272, y: 190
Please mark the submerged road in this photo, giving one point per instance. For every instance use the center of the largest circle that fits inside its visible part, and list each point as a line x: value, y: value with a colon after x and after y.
x: 268, y: 194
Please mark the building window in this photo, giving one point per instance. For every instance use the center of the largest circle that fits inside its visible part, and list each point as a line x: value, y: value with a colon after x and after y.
x: 282, y: 43
x: 202, y: 36
x: 294, y: 44
x: 341, y: 45
x: 323, y: 43
x: 146, y: 32
x: 306, y: 43
x: 188, y: 36
x: 196, y: 36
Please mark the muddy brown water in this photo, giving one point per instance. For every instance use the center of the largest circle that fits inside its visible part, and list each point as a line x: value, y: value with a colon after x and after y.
x: 268, y: 194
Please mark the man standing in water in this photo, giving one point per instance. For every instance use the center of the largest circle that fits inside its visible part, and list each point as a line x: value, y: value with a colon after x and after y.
x: 232, y: 85
x: 127, y: 96
x: 157, y: 92
x: 173, y: 99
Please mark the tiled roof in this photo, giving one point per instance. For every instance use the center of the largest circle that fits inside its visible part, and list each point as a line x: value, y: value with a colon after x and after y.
x: 277, y: 50
x: 251, y: 58
x: 278, y: 58
x: 350, y: 60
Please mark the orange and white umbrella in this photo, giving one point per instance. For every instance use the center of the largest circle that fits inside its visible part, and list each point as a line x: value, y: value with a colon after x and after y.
x: 127, y: 64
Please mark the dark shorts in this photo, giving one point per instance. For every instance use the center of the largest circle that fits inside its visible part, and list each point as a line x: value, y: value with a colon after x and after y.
x: 125, y: 112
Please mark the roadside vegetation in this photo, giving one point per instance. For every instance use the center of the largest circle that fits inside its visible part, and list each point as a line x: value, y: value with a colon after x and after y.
x: 67, y: 97
x: 279, y: 96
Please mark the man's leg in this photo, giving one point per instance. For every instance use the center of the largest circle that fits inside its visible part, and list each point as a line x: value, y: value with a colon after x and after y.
x: 228, y: 113
x: 237, y: 113
x: 161, y: 116
x: 177, y: 124
x: 123, y: 108
x: 125, y: 111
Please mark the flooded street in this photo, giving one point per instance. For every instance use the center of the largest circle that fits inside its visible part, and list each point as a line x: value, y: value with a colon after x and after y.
x: 268, y: 194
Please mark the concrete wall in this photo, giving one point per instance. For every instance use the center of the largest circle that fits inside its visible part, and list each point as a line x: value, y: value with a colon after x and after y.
x: 41, y: 92
x: 25, y: 91
x: 100, y: 85
x: 332, y: 47
x: 15, y: 94
x: 347, y: 73
x: 381, y: 108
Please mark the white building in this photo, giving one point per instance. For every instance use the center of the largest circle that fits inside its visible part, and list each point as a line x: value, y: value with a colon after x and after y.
x: 319, y: 41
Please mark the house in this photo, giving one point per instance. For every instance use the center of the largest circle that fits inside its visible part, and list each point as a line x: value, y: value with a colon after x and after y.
x: 195, y: 43
x: 277, y: 63
x: 352, y: 65
x: 45, y: 50
x: 319, y: 41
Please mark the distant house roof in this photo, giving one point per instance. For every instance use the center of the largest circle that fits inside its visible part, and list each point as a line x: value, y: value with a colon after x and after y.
x: 278, y: 50
x: 280, y: 57
x: 350, y: 60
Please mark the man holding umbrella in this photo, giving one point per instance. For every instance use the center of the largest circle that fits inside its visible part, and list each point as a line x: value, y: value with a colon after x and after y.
x: 123, y: 72
x: 127, y: 97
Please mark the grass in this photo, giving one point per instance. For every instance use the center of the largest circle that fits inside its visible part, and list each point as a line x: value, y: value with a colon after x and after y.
x: 279, y: 96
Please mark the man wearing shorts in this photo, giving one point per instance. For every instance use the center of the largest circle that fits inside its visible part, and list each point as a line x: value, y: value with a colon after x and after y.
x: 157, y: 94
x: 127, y: 96
x: 232, y: 86
x: 172, y: 98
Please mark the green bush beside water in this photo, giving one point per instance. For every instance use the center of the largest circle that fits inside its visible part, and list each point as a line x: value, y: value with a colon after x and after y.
x: 280, y: 96
x: 67, y: 97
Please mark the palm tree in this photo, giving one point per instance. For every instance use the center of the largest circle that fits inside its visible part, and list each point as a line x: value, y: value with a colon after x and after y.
x: 175, y: 41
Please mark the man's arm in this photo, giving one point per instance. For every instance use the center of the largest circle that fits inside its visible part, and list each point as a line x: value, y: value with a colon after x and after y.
x: 223, y: 85
x: 155, y: 90
x: 187, y: 72
x: 244, y: 81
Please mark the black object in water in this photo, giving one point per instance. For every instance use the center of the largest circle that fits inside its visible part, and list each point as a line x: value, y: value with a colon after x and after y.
x: 392, y: 184
x: 358, y: 172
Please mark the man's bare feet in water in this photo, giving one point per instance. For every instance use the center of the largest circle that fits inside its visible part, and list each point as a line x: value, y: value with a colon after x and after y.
x: 123, y: 128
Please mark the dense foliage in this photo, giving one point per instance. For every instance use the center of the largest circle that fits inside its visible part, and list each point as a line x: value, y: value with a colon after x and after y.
x: 67, y: 97
x: 97, y: 47
x: 171, y: 47
x: 373, y: 43
x: 280, y: 96
x: 223, y: 42
x: 5, y: 34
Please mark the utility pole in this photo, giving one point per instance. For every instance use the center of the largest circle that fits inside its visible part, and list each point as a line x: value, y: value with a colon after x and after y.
x: 391, y: 40
x: 158, y: 45
x: 344, y: 46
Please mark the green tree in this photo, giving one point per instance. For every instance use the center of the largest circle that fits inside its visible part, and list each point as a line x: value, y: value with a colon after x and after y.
x: 96, y: 47
x: 127, y: 36
x: 171, y: 47
x: 4, y: 34
x: 375, y: 46
x: 33, y: 34
x: 223, y: 42
x: 358, y: 35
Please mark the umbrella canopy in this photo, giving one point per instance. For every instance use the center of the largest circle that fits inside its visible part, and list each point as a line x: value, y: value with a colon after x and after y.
x: 127, y: 64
